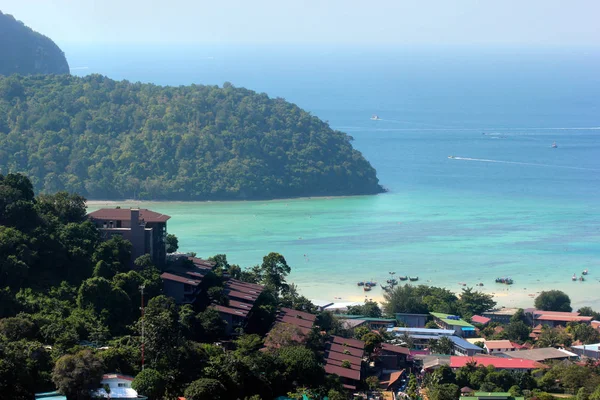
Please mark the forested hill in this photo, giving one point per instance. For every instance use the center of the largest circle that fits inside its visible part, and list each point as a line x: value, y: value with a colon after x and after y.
x: 24, y: 51
x: 108, y: 139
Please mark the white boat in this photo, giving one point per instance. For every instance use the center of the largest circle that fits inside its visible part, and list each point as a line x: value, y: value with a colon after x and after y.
x: 554, y: 146
x: 451, y: 157
x: 375, y: 117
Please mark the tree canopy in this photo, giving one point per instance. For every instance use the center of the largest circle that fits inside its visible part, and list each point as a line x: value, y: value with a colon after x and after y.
x: 116, y: 139
x: 553, y: 300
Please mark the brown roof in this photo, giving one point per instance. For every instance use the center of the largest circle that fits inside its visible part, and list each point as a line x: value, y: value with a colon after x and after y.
x: 387, y: 380
x: 232, y: 311
x: 242, y: 296
x: 296, y: 313
x: 343, y: 372
x: 295, y: 321
x: 240, y: 304
x: 176, y: 278
x: 201, y: 263
x: 124, y: 214
x: 338, y: 348
x: 561, y: 318
x: 395, y: 349
x: 250, y: 285
x: 332, y: 355
x: 244, y: 288
x: 348, y: 342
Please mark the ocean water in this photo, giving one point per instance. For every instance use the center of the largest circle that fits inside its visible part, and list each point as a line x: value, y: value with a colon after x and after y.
x: 507, y: 205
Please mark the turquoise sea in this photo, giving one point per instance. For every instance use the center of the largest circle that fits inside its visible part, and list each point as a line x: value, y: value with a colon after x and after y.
x: 507, y: 205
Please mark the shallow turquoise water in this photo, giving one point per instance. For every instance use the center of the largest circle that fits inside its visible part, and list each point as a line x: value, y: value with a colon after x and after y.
x: 514, y: 207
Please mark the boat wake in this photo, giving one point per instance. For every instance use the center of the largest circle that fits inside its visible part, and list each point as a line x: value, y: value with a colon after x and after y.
x: 521, y: 163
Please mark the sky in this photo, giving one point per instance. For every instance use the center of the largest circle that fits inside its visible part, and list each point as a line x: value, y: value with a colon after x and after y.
x: 314, y: 22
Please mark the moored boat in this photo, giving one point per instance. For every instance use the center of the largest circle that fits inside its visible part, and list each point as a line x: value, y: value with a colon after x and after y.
x: 581, y: 278
x: 585, y: 272
x: 413, y: 278
x: 360, y: 284
x: 375, y: 117
x: 367, y: 288
x: 506, y: 281
x: 574, y: 277
x: 403, y: 278
x: 554, y: 146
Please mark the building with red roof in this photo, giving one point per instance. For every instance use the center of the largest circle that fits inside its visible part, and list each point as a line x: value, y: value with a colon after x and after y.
x: 510, y: 364
x: 478, y: 319
x: 555, y: 318
x: 498, y: 346
x: 145, y: 229
x: 393, y: 357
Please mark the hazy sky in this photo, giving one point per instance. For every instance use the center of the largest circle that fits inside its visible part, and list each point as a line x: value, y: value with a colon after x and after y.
x: 373, y: 22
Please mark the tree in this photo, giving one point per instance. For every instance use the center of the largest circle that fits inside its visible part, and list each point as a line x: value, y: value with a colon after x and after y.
x: 412, y: 388
x: 300, y: 366
x: 368, y: 309
x: 442, y: 345
x: 66, y: 206
x: 372, y: 342
x: 75, y: 375
x: 517, y: 331
x: 17, y: 328
x: 553, y: 300
x: 588, y: 312
x: 149, y: 383
x: 161, y: 330
x: 213, y: 326
x: 474, y: 302
x: 583, y: 332
x: 372, y: 382
x: 172, y: 243
x: 446, y: 391
x: 205, y: 389
x: 273, y: 271
x: 553, y: 337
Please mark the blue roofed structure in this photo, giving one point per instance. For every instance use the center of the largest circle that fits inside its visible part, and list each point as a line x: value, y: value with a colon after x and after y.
x: 420, y: 336
x: 50, y: 396
x: 464, y: 348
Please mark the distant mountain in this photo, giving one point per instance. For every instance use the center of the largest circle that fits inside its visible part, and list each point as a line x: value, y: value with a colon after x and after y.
x: 111, y: 139
x: 24, y: 51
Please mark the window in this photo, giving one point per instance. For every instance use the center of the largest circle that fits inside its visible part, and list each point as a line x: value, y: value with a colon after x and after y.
x: 123, y: 385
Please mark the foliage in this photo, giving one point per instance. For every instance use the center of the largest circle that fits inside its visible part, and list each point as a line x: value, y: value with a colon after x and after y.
x: 446, y: 391
x: 553, y: 300
x: 369, y: 309
x: 419, y: 299
x: 75, y: 375
x: 205, y: 389
x: 442, y: 345
x: 149, y: 383
x: 25, y: 51
x: 553, y: 337
x: 172, y: 243
x: 412, y: 388
x: 372, y: 382
x: 589, y: 312
x: 116, y: 139
x: 24, y: 369
x: 474, y: 302
x: 584, y: 333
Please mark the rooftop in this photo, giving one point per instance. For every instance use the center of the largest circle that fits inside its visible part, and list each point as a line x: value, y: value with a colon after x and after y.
x: 424, y: 331
x: 548, y: 353
x: 498, y: 344
x: 460, y: 342
x: 497, y: 362
x: 232, y: 311
x: 339, y: 348
x: 452, y: 320
x: 124, y: 214
x: 478, y: 319
x: 176, y: 278
x: 359, y: 344
x: 395, y: 349
x: 342, y: 372
x: 503, y: 311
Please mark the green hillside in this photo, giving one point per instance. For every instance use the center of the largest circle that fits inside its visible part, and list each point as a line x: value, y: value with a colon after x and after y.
x: 111, y: 139
x: 24, y: 51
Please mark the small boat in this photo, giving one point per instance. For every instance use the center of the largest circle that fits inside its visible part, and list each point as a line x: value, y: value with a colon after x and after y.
x: 451, y: 157
x: 413, y: 278
x: 375, y: 117
x: 506, y: 281
x: 574, y: 277
x: 385, y: 288
x: 585, y: 272
x: 554, y: 146
x: 392, y: 281
x: 581, y: 278
x: 360, y: 284
x: 367, y: 288
x: 403, y: 278
x: 370, y: 283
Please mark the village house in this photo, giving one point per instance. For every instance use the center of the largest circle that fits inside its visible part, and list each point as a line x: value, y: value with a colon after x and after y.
x: 119, y: 388
x: 555, y: 318
x: 393, y: 357
x: 463, y: 348
x: 412, y: 320
x: 501, y: 316
x: 460, y: 327
x: 498, y: 346
x: 541, y: 354
x: 419, y: 336
x: 344, y: 358
x: 145, y: 229
x: 509, y: 364
x: 478, y: 319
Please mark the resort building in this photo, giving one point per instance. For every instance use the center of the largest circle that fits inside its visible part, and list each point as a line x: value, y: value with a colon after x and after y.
x: 119, y: 388
x: 343, y: 357
x: 501, y: 316
x: 463, y: 348
x: 420, y: 336
x: 460, y: 327
x: 350, y: 321
x: 498, y: 346
x: 393, y: 357
x: 145, y: 229
x: 541, y: 355
x: 588, y: 350
x: 412, y: 320
x: 509, y: 364
x: 555, y: 318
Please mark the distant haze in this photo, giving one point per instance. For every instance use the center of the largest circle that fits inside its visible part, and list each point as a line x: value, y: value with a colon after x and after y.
x: 339, y: 22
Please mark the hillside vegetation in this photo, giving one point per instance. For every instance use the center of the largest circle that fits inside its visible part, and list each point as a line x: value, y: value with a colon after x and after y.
x: 24, y: 51
x: 111, y: 139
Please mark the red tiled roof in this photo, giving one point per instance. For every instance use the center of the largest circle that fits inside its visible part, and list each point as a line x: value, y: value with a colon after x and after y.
x: 176, y: 278
x: 232, y: 311
x: 124, y: 214
x: 343, y: 372
x: 498, y: 344
x: 348, y: 342
x: 395, y: 349
x: 497, y: 362
x: 296, y: 313
x: 338, y: 348
x: 117, y: 376
x: 478, y: 319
